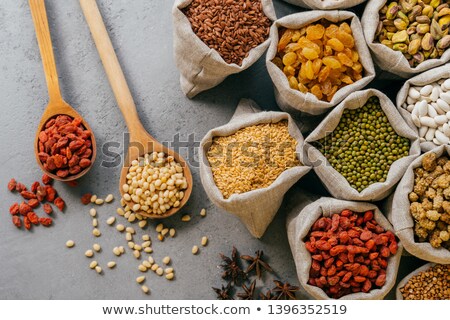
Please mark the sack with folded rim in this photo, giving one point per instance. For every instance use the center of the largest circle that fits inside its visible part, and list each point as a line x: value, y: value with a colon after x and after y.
x: 325, y: 4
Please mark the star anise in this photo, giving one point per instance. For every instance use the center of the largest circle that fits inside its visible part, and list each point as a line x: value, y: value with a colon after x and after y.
x: 257, y: 264
x: 284, y: 291
x: 224, y: 293
x: 267, y: 296
x: 231, y: 268
x: 249, y: 292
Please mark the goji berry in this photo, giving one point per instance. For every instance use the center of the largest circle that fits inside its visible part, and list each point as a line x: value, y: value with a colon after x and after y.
x: 59, y: 203
x: 34, y: 203
x: 12, y: 185
x: 46, y: 222
x: 34, y: 186
x: 24, y: 208
x: 41, y: 193
x: 16, y: 221
x: 14, y: 209
x: 50, y: 193
x: 26, y: 223
x: 48, y: 208
x: 34, y: 219
x: 27, y: 195
x: 20, y: 187
x: 46, y: 179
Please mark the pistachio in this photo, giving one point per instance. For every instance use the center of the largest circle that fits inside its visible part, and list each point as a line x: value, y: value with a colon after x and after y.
x: 427, y: 42
x: 415, y: 12
x: 435, y: 3
x: 423, y: 19
x: 387, y: 43
x: 442, y: 6
x: 403, y: 17
x: 384, y: 9
x: 443, y: 43
x: 423, y: 28
x: 414, y: 46
x: 400, y: 24
x: 402, y: 47
x: 443, y: 12
x: 400, y: 36
x: 428, y: 11
x: 411, y: 30
x: 392, y: 10
x: 406, y: 6
x: 434, y: 54
x: 379, y: 29
x: 418, y: 57
x: 436, y: 30
x: 444, y: 22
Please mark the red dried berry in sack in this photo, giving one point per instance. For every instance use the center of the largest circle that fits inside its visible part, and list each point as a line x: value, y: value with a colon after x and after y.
x: 26, y: 223
x: 50, y: 193
x: 14, y: 209
x: 34, y: 203
x: 34, y: 186
x: 16, y: 221
x: 12, y: 185
x: 48, y: 208
x: 59, y: 203
x: 27, y: 195
x: 20, y: 187
x: 41, y: 193
x: 24, y: 208
x: 86, y: 198
x: 46, y: 222
x: 34, y: 219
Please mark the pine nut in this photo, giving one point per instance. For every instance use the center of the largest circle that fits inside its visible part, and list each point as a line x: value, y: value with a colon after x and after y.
x: 70, y: 243
x: 172, y: 232
x: 95, y: 222
x: 145, y: 289
x: 169, y: 276
x: 203, y: 212
x: 155, y: 267
x: 137, y: 247
x: 159, y: 271
x: 122, y: 249
x: 96, y: 247
x: 99, y: 202
x: 142, y: 223
x: 116, y: 251
x: 164, y: 232
x: 136, y: 254
x: 204, y: 241
x: 96, y: 232
x: 194, y: 250
x: 111, y: 264
x: 93, y: 212
x: 120, y: 212
x: 142, y: 268
x: 132, y: 217
x: 140, y: 279
x: 127, y: 214
x: 131, y: 244
x: 186, y: 218
x: 166, y: 260
x: 120, y: 227
x: 89, y: 253
x: 130, y: 230
x: 128, y: 236
x: 151, y: 260
x: 159, y: 227
x: 110, y: 220
x: 146, y: 244
x: 146, y: 237
x: 168, y: 270
x: 93, y: 264
x: 109, y: 198
x: 147, y: 264
x: 122, y: 202
x: 160, y: 237
x: 98, y: 269
x: 93, y: 198
x: 139, y: 216
x: 148, y: 250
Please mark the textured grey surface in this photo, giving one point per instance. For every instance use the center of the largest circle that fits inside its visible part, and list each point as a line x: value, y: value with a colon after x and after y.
x: 36, y: 264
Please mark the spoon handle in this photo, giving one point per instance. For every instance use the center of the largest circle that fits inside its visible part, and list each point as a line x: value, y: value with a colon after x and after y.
x: 45, y: 46
x: 113, y: 70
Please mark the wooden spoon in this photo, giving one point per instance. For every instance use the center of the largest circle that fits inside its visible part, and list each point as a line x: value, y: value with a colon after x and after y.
x: 141, y: 142
x: 56, y: 105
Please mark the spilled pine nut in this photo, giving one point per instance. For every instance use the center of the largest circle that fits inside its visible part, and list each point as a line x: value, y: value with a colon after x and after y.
x: 89, y: 253
x: 168, y: 270
x: 148, y: 250
x: 186, y: 218
x: 93, y: 198
x: 132, y: 217
x: 145, y: 289
x: 120, y: 227
x: 159, y: 227
x: 96, y: 247
x: 146, y: 237
x: 70, y: 244
x: 111, y: 264
x: 116, y: 251
x: 93, y: 264
x: 172, y: 232
x: 96, y: 232
x: 147, y: 264
x: 130, y: 230
x: 140, y: 279
x: 99, y: 202
x: 204, y: 241
x: 142, y: 223
x: 169, y: 276
x: 98, y: 269
x: 137, y: 254
x: 146, y: 244
x: 155, y: 267
x: 95, y: 222
x: 120, y: 212
x: 110, y: 221
x: 151, y: 260
x: 203, y: 212
x: 194, y: 250
x: 109, y: 198
x: 93, y: 212
x: 131, y: 244
x: 166, y: 260
x: 159, y: 271
x: 128, y: 236
x: 142, y: 268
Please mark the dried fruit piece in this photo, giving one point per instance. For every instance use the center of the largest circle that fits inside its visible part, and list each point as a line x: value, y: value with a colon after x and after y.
x: 14, y: 209
x: 33, y: 203
x: 48, y: 208
x: 34, y: 219
x: 86, y: 198
x: 59, y: 203
x: 24, y: 208
x: 16, y: 221
x: 46, y: 222
x: 12, y: 185
x: 27, y: 195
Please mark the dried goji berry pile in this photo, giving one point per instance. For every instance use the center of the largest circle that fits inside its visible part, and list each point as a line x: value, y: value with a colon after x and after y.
x: 32, y: 199
x: 349, y: 253
x: 65, y: 146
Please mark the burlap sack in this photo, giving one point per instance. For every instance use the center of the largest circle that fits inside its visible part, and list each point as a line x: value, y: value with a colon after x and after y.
x: 325, y: 4
x: 202, y: 68
x: 401, y: 284
x: 403, y: 222
x: 333, y: 181
x: 386, y: 58
x: 291, y: 100
x: 430, y: 76
x: 256, y: 208
x: 299, y: 224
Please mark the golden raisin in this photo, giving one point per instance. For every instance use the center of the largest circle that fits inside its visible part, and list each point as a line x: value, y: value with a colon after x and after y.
x: 335, y: 44
x: 346, y: 39
x: 332, y: 62
x: 315, y: 90
x: 310, y: 53
x: 289, y: 58
x: 344, y: 59
x: 309, y: 70
x: 285, y: 39
x: 315, y: 32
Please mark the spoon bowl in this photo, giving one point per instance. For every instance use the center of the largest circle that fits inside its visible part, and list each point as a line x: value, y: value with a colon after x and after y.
x: 56, y: 106
x: 138, y: 135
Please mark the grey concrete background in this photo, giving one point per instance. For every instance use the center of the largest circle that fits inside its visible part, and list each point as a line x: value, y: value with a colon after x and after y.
x: 36, y: 264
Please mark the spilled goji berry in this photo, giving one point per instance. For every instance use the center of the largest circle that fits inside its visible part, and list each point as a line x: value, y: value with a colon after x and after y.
x: 46, y: 222
x: 20, y: 187
x: 50, y: 193
x: 46, y: 179
x: 59, y: 203
x: 12, y: 185
x: 26, y: 223
x: 48, y: 208
x: 24, y: 208
x: 16, y: 221
x: 34, y: 219
x: 34, y: 186
x: 34, y: 203
x: 14, y: 209
x: 86, y: 198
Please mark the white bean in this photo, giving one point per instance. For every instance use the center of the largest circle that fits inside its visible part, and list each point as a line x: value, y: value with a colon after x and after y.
x: 422, y: 108
x: 430, y: 134
x: 445, y: 96
x: 426, y: 90
x: 431, y: 111
x: 436, y: 142
x: 429, y: 122
x: 435, y: 93
x: 441, y: 137
x: 440, y: 120
x: 443, y: 105
x: 423, y: 131
x: 413, y: 93
x: 446, y: 129
x: 446, y: 84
